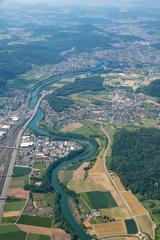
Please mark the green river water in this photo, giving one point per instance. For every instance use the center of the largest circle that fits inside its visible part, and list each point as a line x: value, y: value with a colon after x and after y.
x: 90, y: 150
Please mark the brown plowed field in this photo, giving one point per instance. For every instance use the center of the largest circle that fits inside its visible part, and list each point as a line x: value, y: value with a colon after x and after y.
x: 118, y: 213
x: 18, y: 193
x: 99, y: 182
x: 118, y: 183
x: 16, y: 183
x: 11, y: 214
x: 109, y: 229
x: 80, y: 172
x: 117, y: 197
x: 35, y: 230
x: 146, y: 225
x: 59, y: 234
x: 134, y: 204
x: 71, y: 127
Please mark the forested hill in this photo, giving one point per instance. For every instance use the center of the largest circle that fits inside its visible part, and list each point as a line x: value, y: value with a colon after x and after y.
x: 92, y: 83
x: 136, y: 159
x: 153, y: 89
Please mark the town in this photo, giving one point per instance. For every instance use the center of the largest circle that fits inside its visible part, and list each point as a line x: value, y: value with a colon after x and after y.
x: 119, y: 107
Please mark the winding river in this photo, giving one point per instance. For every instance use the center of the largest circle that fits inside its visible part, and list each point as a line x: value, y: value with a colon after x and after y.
x: 90, y: 150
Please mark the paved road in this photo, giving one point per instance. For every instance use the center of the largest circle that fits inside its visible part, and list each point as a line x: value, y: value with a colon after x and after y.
x: 9, y: 169
x: 8, y: 147
x: 140, y: 234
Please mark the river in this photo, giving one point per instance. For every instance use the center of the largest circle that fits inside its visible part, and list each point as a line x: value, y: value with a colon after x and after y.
x: 90, y: 150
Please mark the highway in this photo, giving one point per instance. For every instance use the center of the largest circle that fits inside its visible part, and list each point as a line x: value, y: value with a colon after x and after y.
x: 9, y: 167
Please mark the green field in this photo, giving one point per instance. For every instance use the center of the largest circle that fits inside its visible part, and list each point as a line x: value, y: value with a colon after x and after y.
x: 21, y: 171
x: 32, y: 236
x: 73, y: 166
x: 8, y: 232
x: 68, y: 175
x: 14, y: 206
x: 90, y: 130
x: 131, y: 226
x: 99, y: 200
x: 49, y: 198
x: 40, y: 166
x: 7, y: 220
x: 35, y: 221
x: 24, y: 178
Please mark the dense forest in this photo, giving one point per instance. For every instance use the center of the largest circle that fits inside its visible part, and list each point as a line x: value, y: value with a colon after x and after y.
x: 81, y: 84
x: 10, y: 66
x: 153, y: 89
x: 59, y: 104
x: 136, y: 159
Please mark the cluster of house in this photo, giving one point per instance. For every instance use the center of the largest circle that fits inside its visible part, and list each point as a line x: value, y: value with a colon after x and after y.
x: 94, y: 213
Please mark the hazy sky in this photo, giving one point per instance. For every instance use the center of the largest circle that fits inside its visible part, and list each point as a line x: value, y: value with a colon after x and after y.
x: 92, y: 2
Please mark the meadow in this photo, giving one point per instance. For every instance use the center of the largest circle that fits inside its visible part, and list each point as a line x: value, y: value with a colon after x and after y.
x: 35, y: 221
x: 99, y: 200
x: 8, y: 232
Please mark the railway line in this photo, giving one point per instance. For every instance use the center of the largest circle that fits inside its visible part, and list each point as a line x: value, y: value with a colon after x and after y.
x: 9, y: 165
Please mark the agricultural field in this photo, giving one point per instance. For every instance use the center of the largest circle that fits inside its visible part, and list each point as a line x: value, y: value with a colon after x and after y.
x: 133, y: 80
x: 91, y: 130
x: 32, y: 236
x: 11, y: 214
x: 19, y: 183
x: 8, y: 232
x: 25, y: 180
x: 8, y: 220
x: 99, y: 182
x: 35, y: 229
x: 134, y: 204
x: 109, y: 229
x: 68, y: 175
x: 47, y: 200
x: 17, y: 193
x: 15, y: 205
x: 16, y: 198
x: 99, y: 200
x: 118, y: 182
x: 118, y: 213
x: 104, y: 191
x: 146, y: 225
x: 35, y: 221
x: 72, y: 127
x: 80, y: 172
x: 73, y: 166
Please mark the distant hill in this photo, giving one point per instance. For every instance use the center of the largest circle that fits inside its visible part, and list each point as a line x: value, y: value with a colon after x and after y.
x: 136, y: 159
